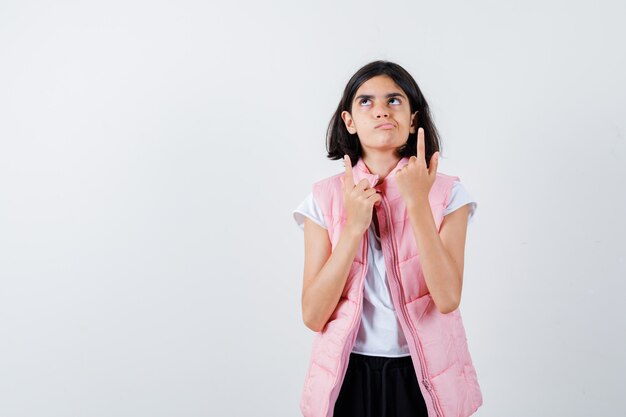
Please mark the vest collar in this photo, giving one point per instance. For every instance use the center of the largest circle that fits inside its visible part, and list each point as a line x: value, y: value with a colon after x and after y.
x: 361, y: 171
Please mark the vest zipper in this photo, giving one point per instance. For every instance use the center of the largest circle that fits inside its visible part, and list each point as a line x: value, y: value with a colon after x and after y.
x: 396, y: 274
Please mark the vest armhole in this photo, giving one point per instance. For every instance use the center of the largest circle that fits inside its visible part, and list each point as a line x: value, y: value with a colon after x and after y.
x: 448, y: 188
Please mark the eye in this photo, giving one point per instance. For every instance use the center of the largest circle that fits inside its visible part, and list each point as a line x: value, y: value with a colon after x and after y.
x: 367, y: 99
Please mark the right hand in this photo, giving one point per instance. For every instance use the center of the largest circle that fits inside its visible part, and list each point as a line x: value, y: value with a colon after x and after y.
x: 359, y: 199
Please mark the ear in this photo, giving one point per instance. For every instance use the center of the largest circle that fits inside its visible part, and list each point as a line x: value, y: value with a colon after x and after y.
x: 347, y: 120
x: 413, y: 126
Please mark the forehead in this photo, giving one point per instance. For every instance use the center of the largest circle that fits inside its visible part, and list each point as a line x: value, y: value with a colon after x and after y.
x: 379, y: 85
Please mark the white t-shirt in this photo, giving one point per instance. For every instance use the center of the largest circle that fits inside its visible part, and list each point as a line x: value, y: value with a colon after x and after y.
x: 380, y: 333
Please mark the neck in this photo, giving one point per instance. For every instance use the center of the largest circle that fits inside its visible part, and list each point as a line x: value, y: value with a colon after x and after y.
x: 380, y: 164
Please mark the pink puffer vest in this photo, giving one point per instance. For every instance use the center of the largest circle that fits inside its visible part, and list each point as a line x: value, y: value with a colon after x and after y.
x: 437, y: 342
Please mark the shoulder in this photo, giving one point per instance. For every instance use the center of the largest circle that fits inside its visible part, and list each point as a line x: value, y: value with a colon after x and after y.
x: 442, y: 187
x: 328, y: 181
x: 327, y: 187
x: 446, y: 178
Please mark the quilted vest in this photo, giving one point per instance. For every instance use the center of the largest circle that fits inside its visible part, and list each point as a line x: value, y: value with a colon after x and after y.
x: 437, y: 342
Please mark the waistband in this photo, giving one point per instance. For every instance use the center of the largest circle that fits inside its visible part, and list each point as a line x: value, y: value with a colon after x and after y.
x: 381, y: 362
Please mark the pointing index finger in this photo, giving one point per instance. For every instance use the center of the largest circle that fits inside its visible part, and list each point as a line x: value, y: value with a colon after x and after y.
x: 420, y: 144
x: 348, y: 179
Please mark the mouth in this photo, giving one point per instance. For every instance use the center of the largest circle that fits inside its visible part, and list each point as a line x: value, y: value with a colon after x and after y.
x: 385, y: 126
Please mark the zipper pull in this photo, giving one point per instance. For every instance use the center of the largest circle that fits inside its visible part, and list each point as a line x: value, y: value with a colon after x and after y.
x: 426, y: 384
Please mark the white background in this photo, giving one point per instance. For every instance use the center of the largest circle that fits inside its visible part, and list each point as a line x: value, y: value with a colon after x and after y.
x: 151, y: 154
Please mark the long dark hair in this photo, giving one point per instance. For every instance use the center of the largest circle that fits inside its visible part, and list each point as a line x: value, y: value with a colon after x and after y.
x: 340, y: 142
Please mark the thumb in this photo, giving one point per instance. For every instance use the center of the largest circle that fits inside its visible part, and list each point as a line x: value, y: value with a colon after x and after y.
x: 434, y: 163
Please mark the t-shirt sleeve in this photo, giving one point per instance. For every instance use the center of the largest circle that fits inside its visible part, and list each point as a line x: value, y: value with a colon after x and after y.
x: 309, y: 208
x: 459, y: 196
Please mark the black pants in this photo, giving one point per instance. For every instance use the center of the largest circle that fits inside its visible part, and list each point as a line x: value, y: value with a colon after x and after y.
x: 377, y: 386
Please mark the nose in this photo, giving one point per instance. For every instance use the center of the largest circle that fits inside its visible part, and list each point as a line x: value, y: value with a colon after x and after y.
x: 381, y: 111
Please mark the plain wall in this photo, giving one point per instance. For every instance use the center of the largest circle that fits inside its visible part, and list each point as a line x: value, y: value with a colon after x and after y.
x: 151, y: 154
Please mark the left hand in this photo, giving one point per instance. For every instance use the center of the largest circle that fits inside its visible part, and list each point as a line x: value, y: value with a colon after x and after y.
x: 415, y: 179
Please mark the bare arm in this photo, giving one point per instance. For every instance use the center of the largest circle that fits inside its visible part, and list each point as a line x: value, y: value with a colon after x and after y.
x: 325, y: 273
x: 442, y: 253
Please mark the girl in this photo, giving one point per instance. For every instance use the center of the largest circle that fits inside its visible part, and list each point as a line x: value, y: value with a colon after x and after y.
x: 383, y: 130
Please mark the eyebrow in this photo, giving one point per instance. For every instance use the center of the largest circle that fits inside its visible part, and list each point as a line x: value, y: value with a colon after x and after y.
x: 369, y: 96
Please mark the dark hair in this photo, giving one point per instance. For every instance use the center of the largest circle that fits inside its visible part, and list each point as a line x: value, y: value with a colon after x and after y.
x: 340, y: 142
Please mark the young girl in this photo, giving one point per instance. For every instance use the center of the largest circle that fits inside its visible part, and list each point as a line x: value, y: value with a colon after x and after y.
x: 383, y: 268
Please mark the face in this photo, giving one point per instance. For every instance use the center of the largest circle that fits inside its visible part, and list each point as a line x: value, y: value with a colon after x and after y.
x: 379, y: 101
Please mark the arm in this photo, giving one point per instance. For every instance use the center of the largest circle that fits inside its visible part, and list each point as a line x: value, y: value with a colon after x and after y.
x: 441, y: 254
x: 325, y: 273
